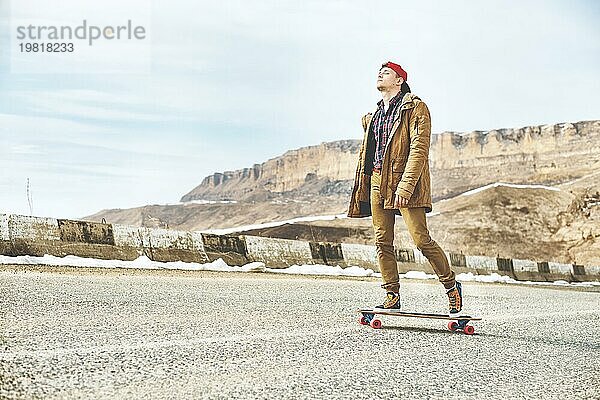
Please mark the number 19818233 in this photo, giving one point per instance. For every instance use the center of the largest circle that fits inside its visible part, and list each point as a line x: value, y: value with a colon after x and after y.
x: 46, y: 47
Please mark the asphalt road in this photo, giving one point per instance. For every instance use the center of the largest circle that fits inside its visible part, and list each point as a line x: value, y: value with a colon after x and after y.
x: 164, y: 334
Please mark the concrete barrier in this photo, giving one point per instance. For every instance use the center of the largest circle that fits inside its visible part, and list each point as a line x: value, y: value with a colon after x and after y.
x: 505, y: 266
x: 592, y: 272
x: 171, y: 245
x: 25, y: 235
x: 457, y: 259
x: 593, y: 269
x: 231, y: 248
x: 277, y: 253
x: 419, y: 257
x: 525, y: 269
x: 5, y: 242
x: 543, y: 267
x: 553, y: 271
x: 30, y: 235
x: 33, y: 228
x: 88, y: 239
x: 159, y: 238
x: 583, y: 273
x: 4, y: 235
x: 85, y: 232
x: 458, y: 262
x: 198, y: 246
x: 161, y: 244
x: 404, y: 255
x: 361, y: 255
x: 420, y: 263
x: 560, y: 269
x: 327, y: 253
x: 482, y: 264
x: 127, y: 236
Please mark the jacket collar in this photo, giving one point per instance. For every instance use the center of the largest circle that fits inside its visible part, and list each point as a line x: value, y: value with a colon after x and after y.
x: 409, y: 101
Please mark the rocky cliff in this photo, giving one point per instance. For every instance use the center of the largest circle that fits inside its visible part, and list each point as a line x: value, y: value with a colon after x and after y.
x: 547, y: 154
x: 311, y: 168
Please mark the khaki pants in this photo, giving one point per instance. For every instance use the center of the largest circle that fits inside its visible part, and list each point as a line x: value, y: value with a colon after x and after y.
x: 414, y: 218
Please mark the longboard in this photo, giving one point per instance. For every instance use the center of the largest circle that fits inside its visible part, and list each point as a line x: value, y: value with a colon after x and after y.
x: 455, y: 323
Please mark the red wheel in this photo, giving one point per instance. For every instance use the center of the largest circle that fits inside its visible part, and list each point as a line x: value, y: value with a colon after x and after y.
x: 469, y: 330
x: 376, y: 324
x: 363, y: 321
x: 452, y: 325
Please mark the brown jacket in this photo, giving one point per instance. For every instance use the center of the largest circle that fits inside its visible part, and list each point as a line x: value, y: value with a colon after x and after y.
x: 405, y: 168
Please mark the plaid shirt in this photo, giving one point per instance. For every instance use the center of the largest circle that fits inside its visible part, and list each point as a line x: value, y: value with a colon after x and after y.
x: 382, y: 126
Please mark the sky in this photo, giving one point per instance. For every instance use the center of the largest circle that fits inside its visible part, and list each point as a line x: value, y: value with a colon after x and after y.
x: 219, y: 86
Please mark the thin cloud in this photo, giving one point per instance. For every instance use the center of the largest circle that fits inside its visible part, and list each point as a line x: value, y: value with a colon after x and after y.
x: 235, y: 83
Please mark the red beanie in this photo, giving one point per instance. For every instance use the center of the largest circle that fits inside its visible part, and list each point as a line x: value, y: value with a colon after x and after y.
x: 398, y: 69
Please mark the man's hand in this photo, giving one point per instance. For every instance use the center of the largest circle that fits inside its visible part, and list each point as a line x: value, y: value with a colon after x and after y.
x: 399, y: 201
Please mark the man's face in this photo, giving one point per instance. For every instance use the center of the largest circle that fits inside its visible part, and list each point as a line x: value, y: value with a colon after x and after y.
x: 388, y: 79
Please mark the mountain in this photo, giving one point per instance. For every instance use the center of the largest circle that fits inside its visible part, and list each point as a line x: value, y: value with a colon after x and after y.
x: 513, y: 221
x: 312, y: 169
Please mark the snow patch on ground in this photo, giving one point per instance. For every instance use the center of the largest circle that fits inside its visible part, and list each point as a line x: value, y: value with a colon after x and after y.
x: 275, y: 223
x: 320, y: 269
x: 417, y: 275
x: 512, y: 185
x: 141, y: 262
x: 219, y: 265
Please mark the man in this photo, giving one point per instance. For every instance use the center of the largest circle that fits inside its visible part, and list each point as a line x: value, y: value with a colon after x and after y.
x: 392, y: 178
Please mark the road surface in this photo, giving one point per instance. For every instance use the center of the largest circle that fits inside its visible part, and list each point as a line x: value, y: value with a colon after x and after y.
x: 115, y: 334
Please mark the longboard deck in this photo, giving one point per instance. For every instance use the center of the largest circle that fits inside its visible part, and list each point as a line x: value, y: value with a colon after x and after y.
x: 460, y: 324
x: 417, y: 315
